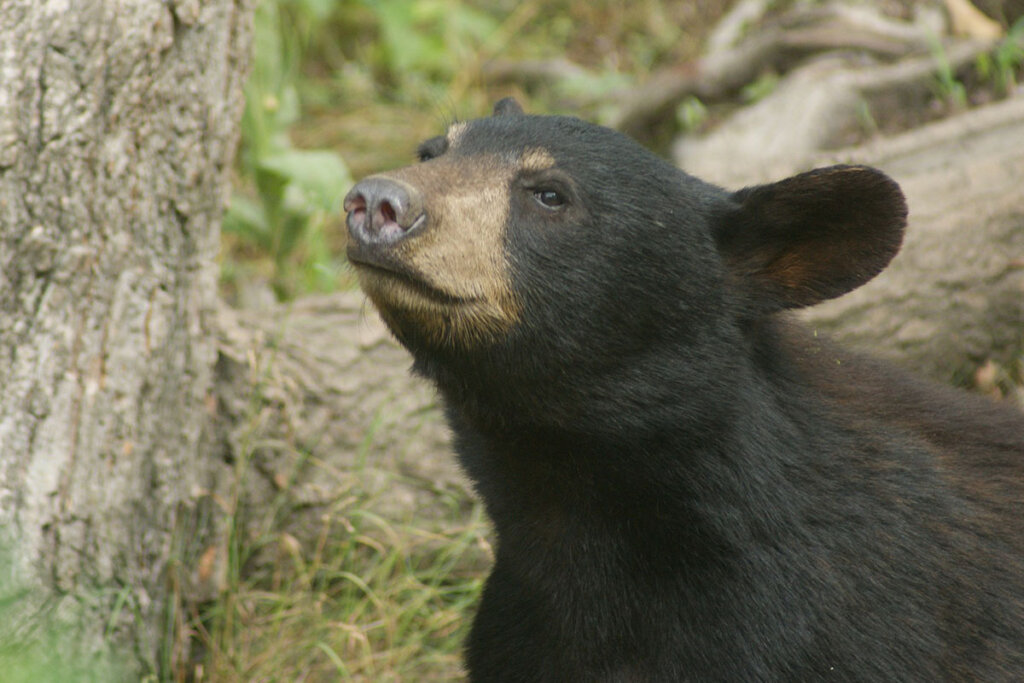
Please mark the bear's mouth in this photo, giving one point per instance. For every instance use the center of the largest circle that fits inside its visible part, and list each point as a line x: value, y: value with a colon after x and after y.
x: 384, y: 275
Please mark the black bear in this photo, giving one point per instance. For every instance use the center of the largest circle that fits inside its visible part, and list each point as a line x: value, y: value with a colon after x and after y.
x: 686, y: 485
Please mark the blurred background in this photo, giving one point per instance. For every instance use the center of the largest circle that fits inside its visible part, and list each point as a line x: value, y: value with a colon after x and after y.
x: 342, y: 88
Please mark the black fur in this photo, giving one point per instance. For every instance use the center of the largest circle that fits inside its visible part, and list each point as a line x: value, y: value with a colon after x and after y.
x: 687, y: 487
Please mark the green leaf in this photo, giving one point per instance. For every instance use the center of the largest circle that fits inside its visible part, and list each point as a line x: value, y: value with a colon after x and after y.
x: 320, y: 175
x: 247, y: 219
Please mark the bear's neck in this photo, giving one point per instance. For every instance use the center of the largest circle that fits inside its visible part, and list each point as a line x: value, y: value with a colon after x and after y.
x: 696, y: 474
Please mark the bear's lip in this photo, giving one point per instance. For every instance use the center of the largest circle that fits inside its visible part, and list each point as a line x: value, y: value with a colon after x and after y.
x: 367, y: 260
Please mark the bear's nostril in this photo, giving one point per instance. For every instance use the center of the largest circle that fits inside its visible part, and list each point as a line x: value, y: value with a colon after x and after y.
x: 354, y: 202
x: 355, y: 207
x: 381, y: 211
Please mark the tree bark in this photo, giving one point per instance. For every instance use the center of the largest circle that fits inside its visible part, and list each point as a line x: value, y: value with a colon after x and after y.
x: 118, y: 123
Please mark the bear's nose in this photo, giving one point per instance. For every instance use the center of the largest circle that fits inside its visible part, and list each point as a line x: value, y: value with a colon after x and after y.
x: 382, y: 210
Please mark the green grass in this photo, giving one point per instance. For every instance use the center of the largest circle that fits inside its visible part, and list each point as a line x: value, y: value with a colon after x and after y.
x: 367, y: 599
x: 947, y: 85
x: 351, y: 587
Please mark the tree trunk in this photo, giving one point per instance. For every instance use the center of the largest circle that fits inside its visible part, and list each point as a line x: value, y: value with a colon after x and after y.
x: 118, y: 123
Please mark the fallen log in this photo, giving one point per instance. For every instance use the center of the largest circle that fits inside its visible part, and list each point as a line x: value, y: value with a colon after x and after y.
x: 779, y: 46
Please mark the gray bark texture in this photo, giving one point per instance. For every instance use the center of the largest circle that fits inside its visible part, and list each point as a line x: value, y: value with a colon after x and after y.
x: 118, y: 124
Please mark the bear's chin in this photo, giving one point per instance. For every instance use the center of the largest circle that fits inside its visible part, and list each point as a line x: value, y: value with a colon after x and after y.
x: 424, y: 317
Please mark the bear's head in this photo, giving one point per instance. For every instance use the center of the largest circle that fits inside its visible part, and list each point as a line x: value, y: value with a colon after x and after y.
x: 546, y: 247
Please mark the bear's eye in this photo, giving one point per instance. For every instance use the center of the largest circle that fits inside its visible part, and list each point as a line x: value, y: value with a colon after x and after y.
x: 549, y: 199
x: 432, y: 148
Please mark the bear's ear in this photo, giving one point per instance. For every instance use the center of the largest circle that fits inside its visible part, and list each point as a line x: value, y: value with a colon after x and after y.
x: 507, y: 107
x: 812, y: 237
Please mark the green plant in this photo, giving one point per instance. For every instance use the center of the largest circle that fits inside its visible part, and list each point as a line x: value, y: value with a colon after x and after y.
x: 290, y: 197
x: 947, y: 86
x: 428, y: 38
x: 761, y: 88
x: 362, y: 596
x: 691, y: 114
x: 345, y: 594
x: 1004, y: 63
x: 866, y: 118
